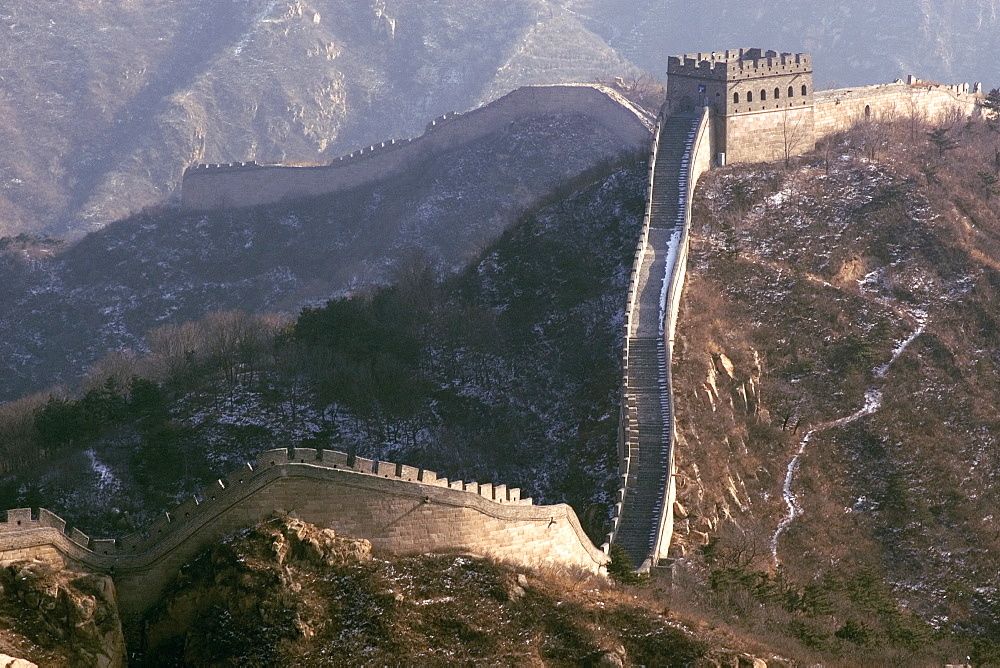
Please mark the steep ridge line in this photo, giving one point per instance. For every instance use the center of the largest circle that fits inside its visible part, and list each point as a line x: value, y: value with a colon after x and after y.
x: 643, y: 524
x: 207, y: 187
x: 401, y: 509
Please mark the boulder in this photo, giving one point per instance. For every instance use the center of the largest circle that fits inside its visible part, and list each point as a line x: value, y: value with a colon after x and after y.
x: 13, y: 662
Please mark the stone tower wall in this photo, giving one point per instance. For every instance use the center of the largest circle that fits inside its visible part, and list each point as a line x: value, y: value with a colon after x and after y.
x: 762, y: 100
x: 768, y: 135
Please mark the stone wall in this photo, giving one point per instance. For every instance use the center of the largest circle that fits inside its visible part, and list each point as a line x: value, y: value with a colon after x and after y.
x: 249, y: 184
x: 769, y: 135
x: 400, y: 509
x: 838, y: 110
x: 785, y: 131
x: 765, y: 107
x: 700, y: 162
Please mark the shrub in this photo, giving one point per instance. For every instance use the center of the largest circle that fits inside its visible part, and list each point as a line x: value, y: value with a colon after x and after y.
x: 620, y: 568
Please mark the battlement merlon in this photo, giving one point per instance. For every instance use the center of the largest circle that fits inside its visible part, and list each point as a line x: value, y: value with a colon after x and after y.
x: 736, y: 64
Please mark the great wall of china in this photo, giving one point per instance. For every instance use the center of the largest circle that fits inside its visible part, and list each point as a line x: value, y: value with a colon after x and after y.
x: 402, y: 509
x: 248, y: 184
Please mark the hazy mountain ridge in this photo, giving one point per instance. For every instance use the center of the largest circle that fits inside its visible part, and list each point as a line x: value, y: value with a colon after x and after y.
x: 107, y: 104
x: 853, y: 42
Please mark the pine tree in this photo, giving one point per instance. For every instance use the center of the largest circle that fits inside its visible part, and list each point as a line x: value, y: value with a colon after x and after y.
x: 992, y: 100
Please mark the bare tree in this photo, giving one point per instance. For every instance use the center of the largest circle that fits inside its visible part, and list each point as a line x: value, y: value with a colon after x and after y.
x: 172, y: 348
x: 794, y: 133
x: 120, y: 366
x: 18, y: 445
x: 872, y: 130
x: 916, y: 116
x: 641, y: 89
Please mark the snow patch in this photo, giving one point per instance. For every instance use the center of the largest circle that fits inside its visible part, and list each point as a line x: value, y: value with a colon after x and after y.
x: 873, y: 401
x: 106, y: 480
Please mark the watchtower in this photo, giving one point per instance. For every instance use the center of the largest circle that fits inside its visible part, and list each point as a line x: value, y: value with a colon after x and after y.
x: 762, y: 101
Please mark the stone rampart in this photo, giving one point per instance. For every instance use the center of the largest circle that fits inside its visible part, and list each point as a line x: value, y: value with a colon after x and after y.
x: 839, y: 109
x: 250, y: 184
x: 700, y: 162
x: 766, y: 109
x: 400, y: 509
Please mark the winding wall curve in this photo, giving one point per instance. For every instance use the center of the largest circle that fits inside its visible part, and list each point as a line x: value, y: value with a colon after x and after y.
x: 208, y: 187
x: 400, y: 509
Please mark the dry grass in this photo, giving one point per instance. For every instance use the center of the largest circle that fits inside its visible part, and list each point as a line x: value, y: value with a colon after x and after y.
x: 441, y: 609
x: 806, y: 278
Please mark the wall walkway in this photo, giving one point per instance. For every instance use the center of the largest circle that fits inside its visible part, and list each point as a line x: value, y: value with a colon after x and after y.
x: 400, y: 509
x: 681, y: 153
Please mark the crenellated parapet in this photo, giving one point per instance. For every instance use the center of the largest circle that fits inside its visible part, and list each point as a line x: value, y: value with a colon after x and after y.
x: 218, y: 493
x: 399, y: 508
x: 737, y: 64
x: 229, y: 166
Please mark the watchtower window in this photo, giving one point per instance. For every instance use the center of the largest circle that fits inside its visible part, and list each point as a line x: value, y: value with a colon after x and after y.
x: 791, y: 92
x: 805, y: 91
x: 763, y: 95
x: 736, y: 98
x: 777, y: 93
x: 749, y: 96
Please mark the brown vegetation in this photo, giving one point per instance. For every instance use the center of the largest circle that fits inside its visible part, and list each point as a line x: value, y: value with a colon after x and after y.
x: 262, y: 599
x: 803, y: 282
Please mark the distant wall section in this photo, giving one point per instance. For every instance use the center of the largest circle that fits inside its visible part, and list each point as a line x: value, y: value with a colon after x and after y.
x: 249, y: 184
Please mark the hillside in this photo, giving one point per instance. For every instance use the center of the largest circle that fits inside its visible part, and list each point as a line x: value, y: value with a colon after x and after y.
x: 105, y: 104
x: 836, y: 382
x: 285, y: 592
x: 506, y: 372
x: 65, y: 307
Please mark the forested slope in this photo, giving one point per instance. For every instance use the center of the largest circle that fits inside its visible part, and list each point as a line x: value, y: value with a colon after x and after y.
x: 506, y: 372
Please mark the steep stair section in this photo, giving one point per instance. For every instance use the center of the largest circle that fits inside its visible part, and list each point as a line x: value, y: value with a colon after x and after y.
x: 647, y: 395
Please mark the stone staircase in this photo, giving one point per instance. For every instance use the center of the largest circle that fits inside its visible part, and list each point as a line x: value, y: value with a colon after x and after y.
x: 647, y: 388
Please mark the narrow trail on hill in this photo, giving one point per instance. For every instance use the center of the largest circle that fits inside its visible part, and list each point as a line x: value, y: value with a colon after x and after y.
x: 873, y: 402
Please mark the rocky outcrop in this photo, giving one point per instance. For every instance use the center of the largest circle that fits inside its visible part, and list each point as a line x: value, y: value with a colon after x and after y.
x: 74, y: 612
x: 299, y: 541
x: 7, y: 661
x: 255, y: 580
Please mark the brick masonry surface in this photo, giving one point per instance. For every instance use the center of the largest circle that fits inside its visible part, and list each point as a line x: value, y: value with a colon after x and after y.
x: 386, y: 504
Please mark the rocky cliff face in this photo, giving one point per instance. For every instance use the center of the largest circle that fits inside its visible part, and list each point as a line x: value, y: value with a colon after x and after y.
x: 288, y: 593
x: 58, y: 617
x: 250, y: 597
